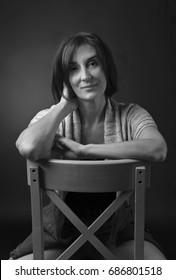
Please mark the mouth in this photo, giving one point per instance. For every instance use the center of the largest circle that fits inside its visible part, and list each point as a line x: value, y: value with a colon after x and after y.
x: 89, y: 86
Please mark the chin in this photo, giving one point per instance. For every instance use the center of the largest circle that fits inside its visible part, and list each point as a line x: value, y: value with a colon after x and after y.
x: 90, y: 96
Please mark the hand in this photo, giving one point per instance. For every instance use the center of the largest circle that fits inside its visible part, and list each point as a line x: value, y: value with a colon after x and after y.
x: 69, y: 98
x: 71, y: 149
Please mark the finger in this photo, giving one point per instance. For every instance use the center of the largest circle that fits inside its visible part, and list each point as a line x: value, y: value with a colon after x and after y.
x: 70, y: 155
x: 65, y: 92
x: 68, y: 94
x: 66, y: 142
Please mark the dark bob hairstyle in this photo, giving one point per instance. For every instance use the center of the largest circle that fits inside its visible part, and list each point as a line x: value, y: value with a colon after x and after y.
x: 65, y: 53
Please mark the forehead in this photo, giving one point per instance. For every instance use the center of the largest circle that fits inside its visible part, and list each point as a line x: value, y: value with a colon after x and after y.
x: 83, y: 53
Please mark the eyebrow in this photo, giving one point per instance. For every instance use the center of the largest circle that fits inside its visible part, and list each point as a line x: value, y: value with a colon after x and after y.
x: 93, y: 57
x: 88, y: 59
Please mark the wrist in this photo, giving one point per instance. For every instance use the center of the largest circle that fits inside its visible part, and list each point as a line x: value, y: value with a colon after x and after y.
x: 66, y: 107
x: 69, y: 105
x: 85, y: 151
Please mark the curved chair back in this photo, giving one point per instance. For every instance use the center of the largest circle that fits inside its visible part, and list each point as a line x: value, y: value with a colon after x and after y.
x: 92, y: 176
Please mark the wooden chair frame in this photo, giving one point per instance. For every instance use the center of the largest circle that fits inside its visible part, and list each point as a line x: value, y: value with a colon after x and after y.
x: 127, y: 176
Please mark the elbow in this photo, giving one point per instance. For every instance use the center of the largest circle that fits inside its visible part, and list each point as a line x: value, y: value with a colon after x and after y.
x: 26, y: 150
x: 161, y: 152
x: 32, y: 151
x: 164, y: 152
x: 29, y: 151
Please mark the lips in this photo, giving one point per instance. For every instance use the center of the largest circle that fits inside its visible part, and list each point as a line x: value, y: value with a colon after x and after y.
x: 89, y: 86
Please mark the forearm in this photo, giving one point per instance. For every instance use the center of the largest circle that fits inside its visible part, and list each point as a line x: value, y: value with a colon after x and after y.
x: 36, y: 141
x: 144, y: 149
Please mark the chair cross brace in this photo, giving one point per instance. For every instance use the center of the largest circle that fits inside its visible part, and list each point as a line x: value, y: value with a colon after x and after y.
x: 88, y: 232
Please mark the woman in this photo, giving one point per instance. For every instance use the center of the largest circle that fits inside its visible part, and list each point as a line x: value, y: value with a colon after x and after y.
x: 86, y: 123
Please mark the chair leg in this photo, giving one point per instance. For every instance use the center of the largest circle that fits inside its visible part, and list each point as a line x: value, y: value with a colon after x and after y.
x: 139, y: 213
x: 36, y: 207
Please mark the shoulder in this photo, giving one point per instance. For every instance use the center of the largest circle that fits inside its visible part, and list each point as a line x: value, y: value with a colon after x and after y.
x: 133, y: 117
x: 125, y: 108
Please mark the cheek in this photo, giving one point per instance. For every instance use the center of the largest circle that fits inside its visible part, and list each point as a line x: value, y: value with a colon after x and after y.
x: 103, y: 79
x: 99, y: 73
x: 73, y: 80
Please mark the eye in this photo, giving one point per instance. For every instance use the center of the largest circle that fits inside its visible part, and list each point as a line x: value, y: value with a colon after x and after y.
x: 93, y: 63
x: 73, y: 67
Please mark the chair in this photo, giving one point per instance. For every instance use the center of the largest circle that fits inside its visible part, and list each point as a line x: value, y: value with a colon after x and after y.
x: 128, y: 176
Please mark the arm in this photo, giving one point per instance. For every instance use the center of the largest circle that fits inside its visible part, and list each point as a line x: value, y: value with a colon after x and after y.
x: 150, y: 145
x: 36, y: 141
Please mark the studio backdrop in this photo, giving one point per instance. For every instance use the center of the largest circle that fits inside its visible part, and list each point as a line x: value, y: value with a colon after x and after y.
x: 142, y: 36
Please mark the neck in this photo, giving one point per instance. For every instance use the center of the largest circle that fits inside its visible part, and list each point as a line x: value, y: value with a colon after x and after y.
x: 92, y: 113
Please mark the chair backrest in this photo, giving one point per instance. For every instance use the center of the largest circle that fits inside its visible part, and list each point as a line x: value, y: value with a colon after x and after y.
x: 126, y: 176
x: 90, y: 176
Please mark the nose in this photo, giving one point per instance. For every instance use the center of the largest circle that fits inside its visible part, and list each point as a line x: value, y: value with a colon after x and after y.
x: 85, y: 74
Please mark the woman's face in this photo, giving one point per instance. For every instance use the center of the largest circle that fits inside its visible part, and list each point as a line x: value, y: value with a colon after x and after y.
x: 86, y: 75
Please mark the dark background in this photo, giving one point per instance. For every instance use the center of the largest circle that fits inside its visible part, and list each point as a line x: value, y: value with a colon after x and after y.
x: 142, y: 35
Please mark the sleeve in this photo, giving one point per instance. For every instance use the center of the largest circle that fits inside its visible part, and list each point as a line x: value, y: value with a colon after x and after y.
x: 138, y: 119
x: 40, y: 115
